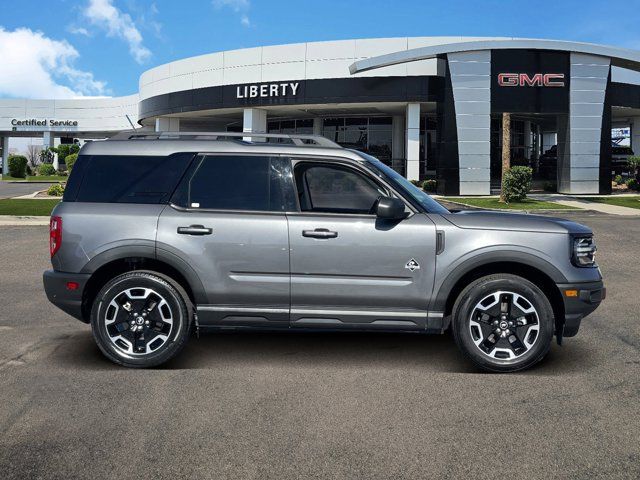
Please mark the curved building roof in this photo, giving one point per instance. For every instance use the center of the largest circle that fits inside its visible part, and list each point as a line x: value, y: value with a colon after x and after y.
x: 620, y: 57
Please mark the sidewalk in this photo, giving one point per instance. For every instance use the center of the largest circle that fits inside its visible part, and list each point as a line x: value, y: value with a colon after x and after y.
x: 14, y: 221
x: 578, y: 202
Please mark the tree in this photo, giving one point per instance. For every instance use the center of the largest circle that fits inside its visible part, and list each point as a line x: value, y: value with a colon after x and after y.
x: 33, y: 154
x: 506, y: 151
x: 634, y: 166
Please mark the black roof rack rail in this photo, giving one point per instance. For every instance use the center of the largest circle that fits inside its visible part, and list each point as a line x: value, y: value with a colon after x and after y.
x: 297, y: 140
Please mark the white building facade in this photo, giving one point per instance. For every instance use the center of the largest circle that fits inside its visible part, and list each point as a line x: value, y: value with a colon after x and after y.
x: 428, y: 106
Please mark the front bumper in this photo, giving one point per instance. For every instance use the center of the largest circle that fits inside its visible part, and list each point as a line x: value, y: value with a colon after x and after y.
x: 588, y: 297
x: 70, y: 301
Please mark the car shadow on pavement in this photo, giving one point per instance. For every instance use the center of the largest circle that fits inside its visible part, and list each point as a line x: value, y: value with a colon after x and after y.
x: 426, y: 353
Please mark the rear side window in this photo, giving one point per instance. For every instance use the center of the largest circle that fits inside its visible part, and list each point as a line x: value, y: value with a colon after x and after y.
x: 237, y: 182
x: 126, y: 179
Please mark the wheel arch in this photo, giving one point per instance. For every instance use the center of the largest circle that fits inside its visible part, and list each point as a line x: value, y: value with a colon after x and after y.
x: 524, y: 265
x: 106, y: 266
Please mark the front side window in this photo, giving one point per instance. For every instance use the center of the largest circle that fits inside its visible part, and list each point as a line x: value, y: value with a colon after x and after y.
x: 403, y: 185
x: 251, y: 183
x: 335, y: 189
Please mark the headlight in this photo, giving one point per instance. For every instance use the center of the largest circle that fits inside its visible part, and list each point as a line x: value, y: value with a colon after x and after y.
x: 584, y: 252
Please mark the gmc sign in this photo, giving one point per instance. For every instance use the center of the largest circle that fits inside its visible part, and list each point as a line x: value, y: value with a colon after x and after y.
x: 535, y: 80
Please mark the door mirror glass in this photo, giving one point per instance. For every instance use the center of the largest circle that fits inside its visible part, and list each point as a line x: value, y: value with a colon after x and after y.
x: 390, y: 208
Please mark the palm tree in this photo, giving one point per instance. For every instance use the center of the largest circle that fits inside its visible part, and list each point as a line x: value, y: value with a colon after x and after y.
x: 506, y: 150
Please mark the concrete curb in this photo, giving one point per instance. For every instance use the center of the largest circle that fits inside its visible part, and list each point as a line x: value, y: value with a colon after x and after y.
x: 15, y: 221
x: 34, y: 196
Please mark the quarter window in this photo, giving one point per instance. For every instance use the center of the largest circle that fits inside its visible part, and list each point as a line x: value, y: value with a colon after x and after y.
x: 126, y: 178
x: 335, y: 189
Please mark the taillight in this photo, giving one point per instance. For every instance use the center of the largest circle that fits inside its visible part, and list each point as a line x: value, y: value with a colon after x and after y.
x: 55, y: 234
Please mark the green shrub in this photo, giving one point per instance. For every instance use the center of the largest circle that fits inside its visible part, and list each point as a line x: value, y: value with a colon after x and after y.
x: 429, y: 185
x: 46, y: 169
x: 516, y: 183
x: 56, y: 190
x: 29, y: 170
x: 550, y: 187
x: 633, y: 184
x: 618, y: 180
x: 65, y: 150
x: 416, y: 183
x: 17, y: 166
x: 71, y: 160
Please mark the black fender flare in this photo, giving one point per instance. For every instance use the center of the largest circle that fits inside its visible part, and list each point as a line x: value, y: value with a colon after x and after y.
x: 441, y: 295
x: 149, y: 251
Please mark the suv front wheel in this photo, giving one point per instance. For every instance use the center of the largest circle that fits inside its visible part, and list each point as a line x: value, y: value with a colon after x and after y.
x: 503, y: 323
x: 141, y: 319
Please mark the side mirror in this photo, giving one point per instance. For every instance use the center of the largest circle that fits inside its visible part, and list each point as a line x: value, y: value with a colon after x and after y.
x: 390, y: 208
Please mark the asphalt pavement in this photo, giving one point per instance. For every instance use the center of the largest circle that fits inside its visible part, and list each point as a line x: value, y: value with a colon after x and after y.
x: 11, y: 189
x: 340, y: 405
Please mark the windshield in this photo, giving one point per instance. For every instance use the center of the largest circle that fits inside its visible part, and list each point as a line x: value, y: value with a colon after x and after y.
x: 404, y: 185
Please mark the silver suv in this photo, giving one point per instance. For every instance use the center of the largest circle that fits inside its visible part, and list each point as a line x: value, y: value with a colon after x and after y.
x: 158, y: 235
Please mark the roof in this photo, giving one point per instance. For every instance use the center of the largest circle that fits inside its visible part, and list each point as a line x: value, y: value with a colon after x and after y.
x: 167, y: 143
x: 620, y: 57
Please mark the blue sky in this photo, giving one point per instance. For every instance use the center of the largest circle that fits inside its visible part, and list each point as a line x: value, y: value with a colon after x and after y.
x: 64, y: 48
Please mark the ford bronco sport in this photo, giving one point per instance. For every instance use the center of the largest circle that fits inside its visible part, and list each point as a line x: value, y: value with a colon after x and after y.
x: 159, y: 234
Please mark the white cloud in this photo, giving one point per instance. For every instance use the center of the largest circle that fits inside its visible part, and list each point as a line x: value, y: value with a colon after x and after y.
x: 103, y: 14
x: 78, y: 30
x: 35, y: 66
x: 238, y: 6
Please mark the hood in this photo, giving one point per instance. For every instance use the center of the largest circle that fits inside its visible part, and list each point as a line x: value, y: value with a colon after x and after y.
x: 490, y: 220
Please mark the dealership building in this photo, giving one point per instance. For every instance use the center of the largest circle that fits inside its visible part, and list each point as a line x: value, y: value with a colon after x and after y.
x: 431, y: 107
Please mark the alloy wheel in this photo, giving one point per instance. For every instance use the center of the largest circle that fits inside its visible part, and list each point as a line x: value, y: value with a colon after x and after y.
x: 504, y: 325
x: 138, y: 321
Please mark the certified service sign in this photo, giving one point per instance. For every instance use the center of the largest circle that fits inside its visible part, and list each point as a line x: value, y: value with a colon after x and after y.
x: 34, y: 122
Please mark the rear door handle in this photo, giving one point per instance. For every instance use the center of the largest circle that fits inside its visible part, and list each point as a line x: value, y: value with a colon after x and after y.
x: 195, y: 230
x: 319, y: 233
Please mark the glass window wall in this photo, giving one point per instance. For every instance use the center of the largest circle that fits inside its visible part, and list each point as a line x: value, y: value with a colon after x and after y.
x: 372, y: 135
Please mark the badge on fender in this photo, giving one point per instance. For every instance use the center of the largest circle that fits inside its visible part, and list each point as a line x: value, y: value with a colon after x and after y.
x: 412, y: 265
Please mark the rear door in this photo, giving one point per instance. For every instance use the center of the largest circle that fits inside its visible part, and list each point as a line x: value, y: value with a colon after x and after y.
x: 227, y: 222
x: 350, y: 269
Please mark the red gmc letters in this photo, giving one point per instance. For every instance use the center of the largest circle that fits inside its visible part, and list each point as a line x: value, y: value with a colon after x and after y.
x: 535, y: 80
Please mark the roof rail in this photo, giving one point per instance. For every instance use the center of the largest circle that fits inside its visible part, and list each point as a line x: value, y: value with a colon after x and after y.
x: 245, y: 137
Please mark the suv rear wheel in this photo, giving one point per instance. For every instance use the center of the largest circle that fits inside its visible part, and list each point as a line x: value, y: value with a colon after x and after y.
x: 141, y: 319
x: 503, y: 323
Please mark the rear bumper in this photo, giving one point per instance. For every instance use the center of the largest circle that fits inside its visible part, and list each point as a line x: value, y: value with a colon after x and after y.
x: 70, y: 301
x: 589, y: 295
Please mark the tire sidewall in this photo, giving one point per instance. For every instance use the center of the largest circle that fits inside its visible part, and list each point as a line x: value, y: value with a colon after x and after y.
x: 478, y: 290
x: 172, y: 295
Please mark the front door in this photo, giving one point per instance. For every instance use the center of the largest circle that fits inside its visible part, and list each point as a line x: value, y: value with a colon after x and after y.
x: 227, y: 222
x: 348, y: 267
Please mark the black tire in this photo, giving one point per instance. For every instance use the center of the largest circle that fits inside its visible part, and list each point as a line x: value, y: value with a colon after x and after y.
x: 165, y: 339
x: 475, y: 335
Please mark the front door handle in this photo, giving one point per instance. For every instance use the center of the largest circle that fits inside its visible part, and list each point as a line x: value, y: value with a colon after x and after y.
x: 319, y: 233
x: 195, y: 230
